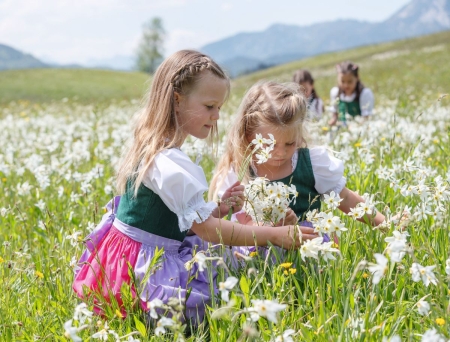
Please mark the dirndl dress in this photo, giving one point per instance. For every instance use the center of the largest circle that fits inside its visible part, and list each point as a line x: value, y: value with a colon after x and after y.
x: 314, y: 172
x: 114, y: 246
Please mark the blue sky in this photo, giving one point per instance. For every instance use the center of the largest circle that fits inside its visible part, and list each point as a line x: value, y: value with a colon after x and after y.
x: 68, y: 31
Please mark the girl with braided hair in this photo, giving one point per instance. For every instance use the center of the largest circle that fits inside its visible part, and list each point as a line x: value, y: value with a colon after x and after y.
x: 350, y: 97
x: 162, y: 202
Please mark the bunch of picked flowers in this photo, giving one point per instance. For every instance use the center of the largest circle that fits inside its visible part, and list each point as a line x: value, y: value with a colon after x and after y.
x: 268, y: 202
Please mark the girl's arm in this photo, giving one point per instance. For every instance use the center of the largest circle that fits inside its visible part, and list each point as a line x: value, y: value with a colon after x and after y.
x: 290, y: 218
x: 235, y: 234
x: 349, y: 201
x: 333, y: 119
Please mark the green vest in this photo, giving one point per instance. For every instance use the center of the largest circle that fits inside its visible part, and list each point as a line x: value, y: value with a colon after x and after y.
x: 304, y: 181
x: 351, y: 108
x: 148, y: 212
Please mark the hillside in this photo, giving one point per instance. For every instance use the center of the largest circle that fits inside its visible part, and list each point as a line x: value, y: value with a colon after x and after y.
x: 83, y: 85
x: 282, y: 43
x: 11, y: 58
x: 410, y: 68
x: 417, y: 66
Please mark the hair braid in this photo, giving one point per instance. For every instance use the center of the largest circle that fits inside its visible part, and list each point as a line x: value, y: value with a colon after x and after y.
x: 187, y: 71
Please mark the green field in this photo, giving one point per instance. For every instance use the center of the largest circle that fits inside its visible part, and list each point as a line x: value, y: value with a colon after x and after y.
x: 63, y: 131
x: 80, y: 85
x: 418, y: 67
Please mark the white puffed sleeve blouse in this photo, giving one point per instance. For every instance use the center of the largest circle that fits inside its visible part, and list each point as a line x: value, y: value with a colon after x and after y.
x: 180, y: 184
x: 328, y: 172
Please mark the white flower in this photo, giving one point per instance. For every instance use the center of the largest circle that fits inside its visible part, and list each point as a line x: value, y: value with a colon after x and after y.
x: 60, y: 191
x: 337, y: 226
x: 3, y: 211
x: 396, y: 250
x: 398, y: 236
x: 225, y: 287
x: 108, y: 189
x: 310, y: 248
x: 423, y: 210
x: 258, y: 141
x: 74, y: 264
x: 103, y: 334
x: 152, y: 305
x: 397, y: 245
x: 286, y: 337
x: 379, y: 269
x: 265, y: 308
x: 264, y: 155
x: 82, y: 313
x: 394, y: 338
x: 71, y: 331
x: 24, y: 189
x: 419, y: 272
x: 74, y: 237
x: 356, y: 212
x: 200, y: 258
x: 132, y: 339
x: 162, y: 323
x: 423, y: 307
x: 40, y: 205
x: 447, y: 266
x: 268, y: 202
x: 432, y: 336
x: 326, y: 251
x: 332, y: 200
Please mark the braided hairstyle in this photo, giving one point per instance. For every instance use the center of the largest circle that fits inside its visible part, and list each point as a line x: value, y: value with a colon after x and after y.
x: 155, y: 126
x: 348, y: 67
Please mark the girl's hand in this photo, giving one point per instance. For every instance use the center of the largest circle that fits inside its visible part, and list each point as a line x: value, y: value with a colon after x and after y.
x: 293, y: 236
x: 290, y: 218
x: 233, y: 197
x: 333, y: 120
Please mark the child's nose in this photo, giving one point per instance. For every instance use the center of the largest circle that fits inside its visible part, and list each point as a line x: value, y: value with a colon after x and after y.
x: 215, y: 115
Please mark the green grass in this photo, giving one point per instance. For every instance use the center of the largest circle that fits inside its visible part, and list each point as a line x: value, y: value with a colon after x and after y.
x: 67, y: 141
x: 81, y: 85
x: 420, y: 68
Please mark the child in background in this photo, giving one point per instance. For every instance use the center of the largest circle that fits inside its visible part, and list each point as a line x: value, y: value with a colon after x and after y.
x: 162, y: 205
x: 350, y: 96
x: 315, y: 104
x: 280, y: 109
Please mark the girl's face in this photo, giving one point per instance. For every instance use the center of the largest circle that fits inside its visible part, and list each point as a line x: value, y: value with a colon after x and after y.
x: 198, y: 111
x: 285, y: 146
x: 347, y: 82
x: 307, y: 87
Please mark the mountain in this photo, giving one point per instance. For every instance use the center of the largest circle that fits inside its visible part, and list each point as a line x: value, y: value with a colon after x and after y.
x: 11, y: 58
x: 284, y: 43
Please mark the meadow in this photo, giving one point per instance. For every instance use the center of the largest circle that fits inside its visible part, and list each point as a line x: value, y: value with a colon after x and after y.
x: 62, y: 134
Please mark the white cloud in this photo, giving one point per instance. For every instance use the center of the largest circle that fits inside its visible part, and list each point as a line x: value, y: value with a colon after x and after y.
x: 226, y: 6
x: 68, y: 31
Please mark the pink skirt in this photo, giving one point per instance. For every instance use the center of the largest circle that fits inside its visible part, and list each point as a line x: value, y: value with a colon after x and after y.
x: 114, y: 247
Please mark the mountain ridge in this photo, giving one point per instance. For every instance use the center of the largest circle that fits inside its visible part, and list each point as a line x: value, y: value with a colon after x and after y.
x: 288, y: 42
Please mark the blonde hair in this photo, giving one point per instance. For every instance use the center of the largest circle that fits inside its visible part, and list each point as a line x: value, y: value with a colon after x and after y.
x: 155, y: 126
x: 281, y: 105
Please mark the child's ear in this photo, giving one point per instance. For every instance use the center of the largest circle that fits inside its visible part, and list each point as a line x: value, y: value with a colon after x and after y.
x: 176, y: 100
